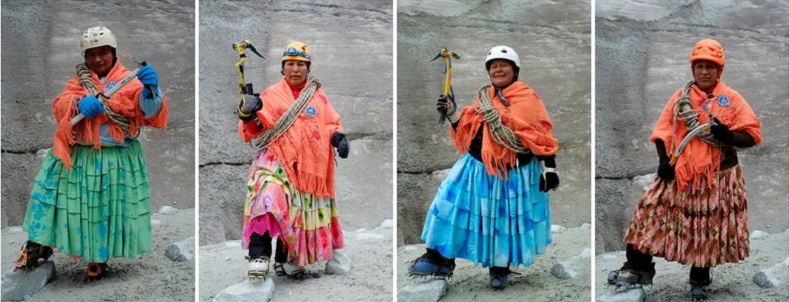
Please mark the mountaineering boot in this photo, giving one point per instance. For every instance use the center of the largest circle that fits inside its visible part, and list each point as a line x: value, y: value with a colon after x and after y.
x: 499, y: 276
x: 95, y: 271
x: 627, y: 275
x: 258, y: 268
x: 433, y: 264
x: 698, y: 293
x: 293, y: 271
x: 700, y: 278
x: 30, y: 253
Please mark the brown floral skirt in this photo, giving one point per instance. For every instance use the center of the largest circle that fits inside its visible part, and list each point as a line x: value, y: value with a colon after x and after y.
x: 703, y: 226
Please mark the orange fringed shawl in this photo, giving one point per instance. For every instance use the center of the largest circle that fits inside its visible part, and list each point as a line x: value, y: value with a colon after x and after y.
x: 700, y: 160
x: 304, y: 150
x: 125, y: 102
x: 526, y: 116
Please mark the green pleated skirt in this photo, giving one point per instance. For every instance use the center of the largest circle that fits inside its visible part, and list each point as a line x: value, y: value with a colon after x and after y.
x: 98, y: 210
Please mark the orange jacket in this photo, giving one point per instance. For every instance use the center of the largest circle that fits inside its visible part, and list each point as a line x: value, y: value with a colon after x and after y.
x: 526, y: 116
x: 699, y: 160
x: 305, y: 149
x: 124, y: 102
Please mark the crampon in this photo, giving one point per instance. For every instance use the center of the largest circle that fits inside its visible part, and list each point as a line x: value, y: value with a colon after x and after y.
x: 631, y: 277
x: 426, y: 266
x: 499, y: 277
x: 29, y: 255
x: 96, y: 271
x: 258, y: 268
x: 294, y: 271
x: 698, y: 291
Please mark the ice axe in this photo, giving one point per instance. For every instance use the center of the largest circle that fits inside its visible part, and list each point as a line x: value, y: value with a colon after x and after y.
x: 693, y: 133
x: 241, y: 48
x: 447, y: 92
x: 81, y: 68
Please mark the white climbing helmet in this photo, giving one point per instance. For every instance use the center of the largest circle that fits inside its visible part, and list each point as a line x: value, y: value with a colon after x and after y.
x: 502, y: 52
x: 97, y: 36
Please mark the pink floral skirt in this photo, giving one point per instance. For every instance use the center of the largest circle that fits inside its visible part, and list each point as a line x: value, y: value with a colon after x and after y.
x: 309, y: 225
x: 702, y: 226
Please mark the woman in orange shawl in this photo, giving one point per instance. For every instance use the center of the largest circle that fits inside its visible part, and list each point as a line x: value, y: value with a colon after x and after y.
x: 91, y: 198
x: 290, y: 184
x: 494, y: 208
x: 695, y: 211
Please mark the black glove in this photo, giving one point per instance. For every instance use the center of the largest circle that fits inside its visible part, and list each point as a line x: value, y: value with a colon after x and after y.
x: 445, y: 105
x: 665, y: 171
x: 720, y: 132
x: 248, y: 106
x: 549, y: 179
x: 339, y: 141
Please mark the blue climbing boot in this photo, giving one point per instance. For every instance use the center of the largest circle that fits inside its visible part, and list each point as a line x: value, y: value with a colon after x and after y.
x: 499, y: 277
x: 432, y: 264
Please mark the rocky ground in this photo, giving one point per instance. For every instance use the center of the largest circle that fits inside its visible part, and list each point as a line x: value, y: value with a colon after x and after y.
x: 535, y: 283
x: 370, y: 251
x: 151, y: 277
x: 731, y: 282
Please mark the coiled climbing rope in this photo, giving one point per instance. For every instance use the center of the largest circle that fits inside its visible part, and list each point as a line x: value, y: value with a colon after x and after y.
x: 83, y: 73
x: 683, y: 111
x: 288, y: 118
x: 502, y: 134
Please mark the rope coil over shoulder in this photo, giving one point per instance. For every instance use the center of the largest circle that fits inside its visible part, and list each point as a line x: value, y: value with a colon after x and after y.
x: 502, y: 134
x: 683, y: 111
x: 83, y: 73
x: 288, y: 118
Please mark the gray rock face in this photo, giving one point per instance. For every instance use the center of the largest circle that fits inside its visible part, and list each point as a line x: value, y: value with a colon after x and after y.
x: 36, y: 68
x: 182, y: 250
x: 642, y: 50
x: 18, y: 285
x: 428, y: 291
x: 625, y: 295
x: 356, y: 73
x: 247, y: 291
x: 547, y: 37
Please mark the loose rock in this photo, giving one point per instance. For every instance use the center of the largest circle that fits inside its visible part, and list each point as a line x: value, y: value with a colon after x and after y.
x: 626, y: 295
x: 20, y: 285
x: 182, y: 250
x: 248, y: 290
x: 427, y: 291
x: 339, y: 264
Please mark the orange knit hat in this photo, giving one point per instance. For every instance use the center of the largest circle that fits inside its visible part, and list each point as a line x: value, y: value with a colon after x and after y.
x: 708, y: 49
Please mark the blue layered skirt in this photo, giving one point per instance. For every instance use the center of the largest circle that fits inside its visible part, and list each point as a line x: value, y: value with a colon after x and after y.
x: 99, y: 209
x: 489, y: 220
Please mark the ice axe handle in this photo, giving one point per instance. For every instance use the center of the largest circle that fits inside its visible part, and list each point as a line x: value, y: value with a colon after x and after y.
x: 112, y: 91
x: 247, y: 89
x: 443, y: 115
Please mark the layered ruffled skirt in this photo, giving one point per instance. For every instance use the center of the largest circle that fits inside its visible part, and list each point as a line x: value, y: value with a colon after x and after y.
x: 309, y: 225
x: 489, y: 220
x: 702, y: 226
x: 98, y: 210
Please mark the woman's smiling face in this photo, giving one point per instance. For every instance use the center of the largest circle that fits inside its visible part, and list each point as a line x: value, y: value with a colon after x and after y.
x: 501, y: 73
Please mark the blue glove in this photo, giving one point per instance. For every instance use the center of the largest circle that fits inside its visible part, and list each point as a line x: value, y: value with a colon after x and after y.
x: 90, y: 106
x: 149, y: 79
